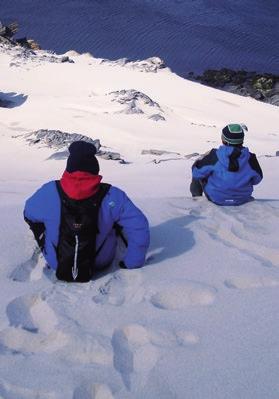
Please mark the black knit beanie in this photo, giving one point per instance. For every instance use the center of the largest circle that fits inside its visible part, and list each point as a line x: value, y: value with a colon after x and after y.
x: 233, y: 134
x: 82, y: 158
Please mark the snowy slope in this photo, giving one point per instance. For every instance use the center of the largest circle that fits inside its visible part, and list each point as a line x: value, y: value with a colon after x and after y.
x: 200, y: 320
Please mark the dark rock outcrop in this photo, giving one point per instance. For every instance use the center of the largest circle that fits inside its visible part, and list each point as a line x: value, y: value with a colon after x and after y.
x: 60, y: 141
x: 7, y: 33
x: 57, y: 139
x: 25, y: 49
x: 157, y: 117
x: 263, y: 87
x: 12, y: 100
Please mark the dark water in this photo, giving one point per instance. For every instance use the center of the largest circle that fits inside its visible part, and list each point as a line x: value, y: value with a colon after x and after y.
x: 190, y: 35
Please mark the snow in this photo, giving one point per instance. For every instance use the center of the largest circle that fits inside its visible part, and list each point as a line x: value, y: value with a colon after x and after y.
x: 200, y: 320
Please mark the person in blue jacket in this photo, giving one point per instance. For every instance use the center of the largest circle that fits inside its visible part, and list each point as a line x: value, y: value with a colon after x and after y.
x: 227, y: 175
x: 81, y: 180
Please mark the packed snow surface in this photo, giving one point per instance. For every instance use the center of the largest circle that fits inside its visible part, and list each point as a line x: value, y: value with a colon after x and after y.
x: 201, y: 319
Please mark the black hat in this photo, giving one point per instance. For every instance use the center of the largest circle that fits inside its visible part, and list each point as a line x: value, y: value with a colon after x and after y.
x: 82, y: 158
x: 233, y: 133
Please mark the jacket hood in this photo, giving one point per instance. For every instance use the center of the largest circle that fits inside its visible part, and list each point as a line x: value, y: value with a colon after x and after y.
x: 80, y: 185
x: 224, y: 152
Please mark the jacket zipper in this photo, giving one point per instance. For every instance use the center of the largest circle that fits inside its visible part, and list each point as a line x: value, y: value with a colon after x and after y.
x: 75, y: 268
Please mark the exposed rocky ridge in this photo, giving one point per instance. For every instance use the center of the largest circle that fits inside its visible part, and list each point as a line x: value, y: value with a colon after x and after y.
x: 263, y: 87
x: 152, y: 64
x: 21, y: 55
x: 27, y: 49
x: 60, y: 142
x: 7, y: 33
x: 136, y: 102
x: 24, y: 49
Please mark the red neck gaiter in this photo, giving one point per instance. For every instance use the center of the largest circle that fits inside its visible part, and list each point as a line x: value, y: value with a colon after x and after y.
x: 80, y: 185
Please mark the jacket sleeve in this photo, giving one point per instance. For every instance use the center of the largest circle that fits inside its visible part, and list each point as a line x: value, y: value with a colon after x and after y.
x: 135, y: 229
x: 254, y: 164
x: 33, y: 217
x: 33, y: 210
x: 204, y: 166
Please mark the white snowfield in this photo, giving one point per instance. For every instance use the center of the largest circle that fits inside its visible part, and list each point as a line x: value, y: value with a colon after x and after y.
x: 201, y: 319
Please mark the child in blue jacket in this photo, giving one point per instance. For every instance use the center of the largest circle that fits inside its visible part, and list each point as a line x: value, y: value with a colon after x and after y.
x: 80, y: 181
x: 227, y: 175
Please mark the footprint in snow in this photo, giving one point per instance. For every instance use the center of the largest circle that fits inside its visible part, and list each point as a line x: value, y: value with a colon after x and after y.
x: 93, y: 391
x: 32, y: 313
x: 136, y: 350
x: 133, y: 353
x: 182, y: 295
x: 9, y: 391
x: 33, y: 326
x: 31, y: 270
x: 123, y: 286
x: 243, y: 228
x: 88, y: 349
x: 243, y: 283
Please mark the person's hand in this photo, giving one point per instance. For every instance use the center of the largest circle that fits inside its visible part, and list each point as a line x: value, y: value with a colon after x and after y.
x: 122, y: 265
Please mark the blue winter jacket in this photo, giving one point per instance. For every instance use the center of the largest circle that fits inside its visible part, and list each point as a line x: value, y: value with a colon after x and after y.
x: 44, y: 207
x: 228, y: 181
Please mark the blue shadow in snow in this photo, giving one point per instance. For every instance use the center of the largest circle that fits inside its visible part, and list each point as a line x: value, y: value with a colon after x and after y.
x: 171, y: 239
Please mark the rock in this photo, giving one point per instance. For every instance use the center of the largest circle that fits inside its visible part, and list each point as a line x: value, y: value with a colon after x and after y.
x: 28, y: 43
x: 59, y: 155
x: 25, y: 49
x: 5, y: 103
x: 263, y: 87
x: 136, y: 102
x: 7, y: 32
x: 65, y: 58
x: 157, y: 152
x: 157, y: 117
x: 60, y: 141
x: 57, y: 139
x: 153, y: 64
x: 115, y: 156
x: 274, y: 100
x: 129, y: 96
x: 193, y: 155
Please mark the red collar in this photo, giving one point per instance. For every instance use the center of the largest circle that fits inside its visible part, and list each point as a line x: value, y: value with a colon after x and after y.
x: 80, y: 185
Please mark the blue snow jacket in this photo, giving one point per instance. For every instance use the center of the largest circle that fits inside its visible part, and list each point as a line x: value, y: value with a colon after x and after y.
x: 44, y: 207
x: 228, y: 174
